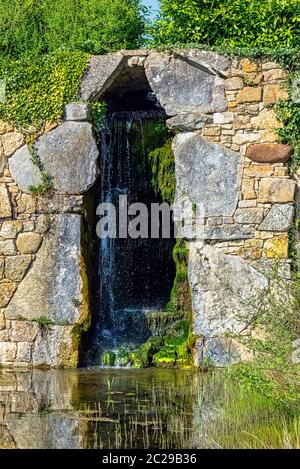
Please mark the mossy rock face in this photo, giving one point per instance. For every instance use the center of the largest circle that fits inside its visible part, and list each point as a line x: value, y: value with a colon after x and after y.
x: 123, y: 358
x: 108, y: 359
x: 165, y: 357
x: 142, y: 358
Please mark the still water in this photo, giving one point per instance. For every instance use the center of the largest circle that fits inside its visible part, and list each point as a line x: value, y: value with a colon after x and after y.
x: 127, y: 408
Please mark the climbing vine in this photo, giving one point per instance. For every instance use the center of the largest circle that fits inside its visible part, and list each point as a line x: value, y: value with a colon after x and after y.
x: 37, y: 90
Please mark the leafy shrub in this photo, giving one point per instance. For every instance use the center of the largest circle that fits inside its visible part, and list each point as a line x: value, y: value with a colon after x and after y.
x: 36, y: 27
x: 262, y: 23
x: 36, y: 90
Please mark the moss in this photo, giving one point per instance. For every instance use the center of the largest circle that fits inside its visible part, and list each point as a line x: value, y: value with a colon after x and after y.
x: 108, y: 359
x: 84, y: 321
x: 163, y: 171
x: 143, y: 356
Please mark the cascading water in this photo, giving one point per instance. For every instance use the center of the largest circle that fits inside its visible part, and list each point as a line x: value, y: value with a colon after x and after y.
x: 135, y: 275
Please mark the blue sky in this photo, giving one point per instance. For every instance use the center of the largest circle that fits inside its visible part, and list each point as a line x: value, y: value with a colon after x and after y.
x: 151, y: 3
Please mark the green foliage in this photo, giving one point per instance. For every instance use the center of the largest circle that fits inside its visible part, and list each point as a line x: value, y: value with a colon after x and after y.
x: 98, y: 112
x: 31, y: 28
x: 108, y: 358
x: 245, y: 23
x: 37, y: 90
x: 274, y: 328
x: 163, y: 171
x: 44, y: 323
x: 288, y: 112
x: 46, y: 184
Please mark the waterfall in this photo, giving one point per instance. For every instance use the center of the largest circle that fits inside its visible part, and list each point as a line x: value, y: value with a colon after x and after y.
x: 135, y: 275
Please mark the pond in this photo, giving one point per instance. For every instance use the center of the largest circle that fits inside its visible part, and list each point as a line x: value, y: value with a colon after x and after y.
x: 128, y: 408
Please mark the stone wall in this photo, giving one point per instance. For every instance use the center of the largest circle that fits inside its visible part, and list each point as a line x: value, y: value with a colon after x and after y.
x: 227, y: 158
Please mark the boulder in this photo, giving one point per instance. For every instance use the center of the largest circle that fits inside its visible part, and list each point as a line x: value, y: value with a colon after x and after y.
x: 54, y: 348
x: 225, y: 290
x: 207, y: 174
x: 269, y: 153
x: 188, y: 82
x: 102, y: 71
x: 68, y: 154
x: 52, y: 287
x: 77, y: 112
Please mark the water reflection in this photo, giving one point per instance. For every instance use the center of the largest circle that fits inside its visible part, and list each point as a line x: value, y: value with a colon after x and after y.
x: 113, y: 408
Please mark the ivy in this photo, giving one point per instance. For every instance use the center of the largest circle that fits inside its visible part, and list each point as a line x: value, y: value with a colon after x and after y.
x: 37, y: 90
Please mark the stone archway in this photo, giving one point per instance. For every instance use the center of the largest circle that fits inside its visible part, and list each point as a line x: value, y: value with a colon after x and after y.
x: 227, y: 158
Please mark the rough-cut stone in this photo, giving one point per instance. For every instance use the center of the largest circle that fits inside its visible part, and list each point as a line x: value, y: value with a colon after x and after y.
x: 187, y: 82
x: 11, y: 142
x: 26, y: 204
x: 69, y: 155
x: 187, y: 122
x: 234, y: 83
x: 241, y: 137
x: 249, y: 94
x: 279, y: 218
x: 10, y: 229
x: 269, y: 153
x: 54, y: 348
x: 249, y: 215
x: 43, y: 223
x: 223, y: 118
x: 52, y: 287
x: 3, y: 161
x: 224, y: 288
x: 248, y: 65
x: 273, y: 93
x: 8, y: 352
x: 23, y: 170
x: 102, y: 71
x: 16, y: 267
x: 5, y: 127
x: 266, y: 120
x: 1, y: 272
x: 7, y: 290
x: 227, y: 232
x: 77, y: 112
x: 28, y: 243
x: 207, y: 174
x: 5, y: 204
x: 7, y: 247
x: 277, y: 247
x: 222, y: 351
x: 23, y: 353
x: 26, y: 331
x: 274, y: 190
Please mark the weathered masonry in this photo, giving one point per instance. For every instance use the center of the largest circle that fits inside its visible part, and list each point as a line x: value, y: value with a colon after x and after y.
x: 227, y: 158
